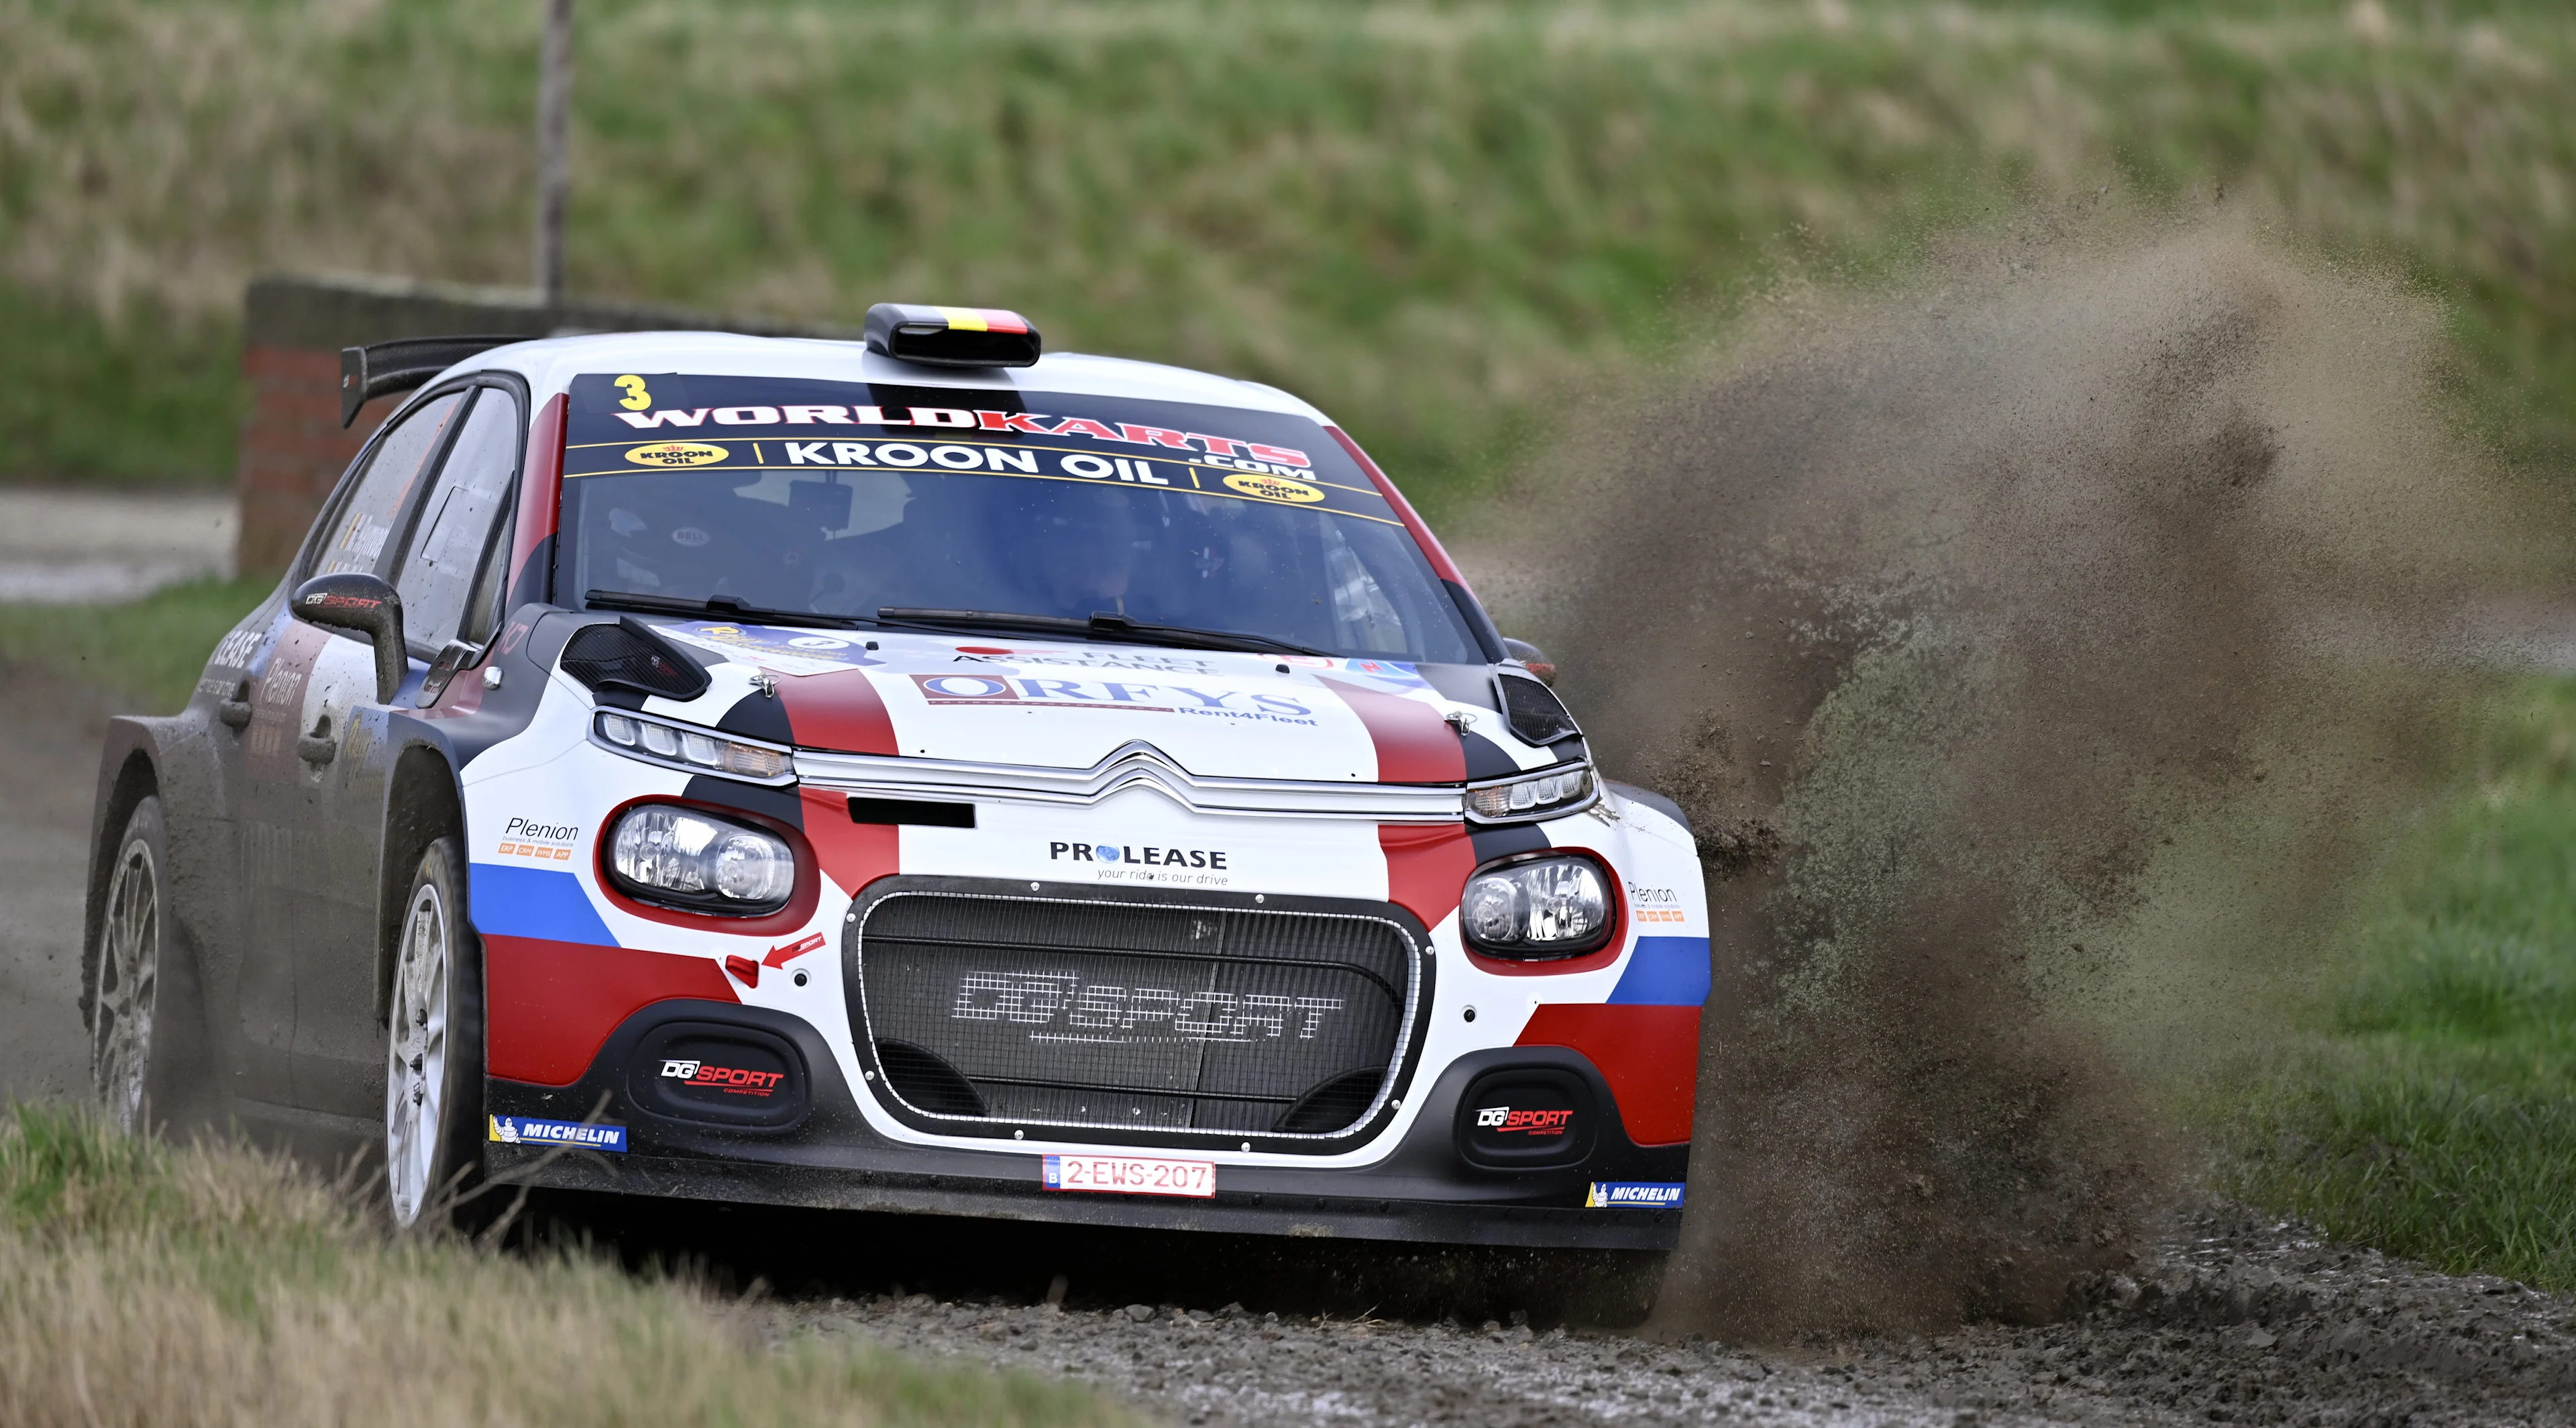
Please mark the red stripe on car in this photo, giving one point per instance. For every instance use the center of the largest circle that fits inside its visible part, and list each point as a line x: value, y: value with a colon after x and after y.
x: 1414, y: 744
x: 550, y: 1005
x: 540, y: 486
x: 840, y: 711
x: 1426, y: 867
x: 1648, y: 1054
x: 853, y: 855
x: 1441, y: 564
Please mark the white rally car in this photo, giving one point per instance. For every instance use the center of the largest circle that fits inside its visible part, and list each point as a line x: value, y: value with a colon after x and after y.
x: 914, y: 775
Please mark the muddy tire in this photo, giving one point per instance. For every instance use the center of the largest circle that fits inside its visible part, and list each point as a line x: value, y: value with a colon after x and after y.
x: 434, y: 1049
x: 146, y: 1042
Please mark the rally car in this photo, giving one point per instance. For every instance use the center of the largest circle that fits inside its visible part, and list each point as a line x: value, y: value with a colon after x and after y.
x: 914, y: 774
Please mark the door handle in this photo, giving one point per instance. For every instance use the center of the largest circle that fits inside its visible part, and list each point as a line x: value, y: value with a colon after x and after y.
x: 318, y: 747
x: 235, y: 710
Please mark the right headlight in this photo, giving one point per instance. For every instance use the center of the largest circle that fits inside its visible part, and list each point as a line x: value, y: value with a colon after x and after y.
x: 1537, y: 908
x: 681, y: 746
x: 679, y: 857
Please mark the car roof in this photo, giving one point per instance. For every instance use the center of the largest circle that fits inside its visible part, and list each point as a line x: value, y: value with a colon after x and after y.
x: 550, y: 364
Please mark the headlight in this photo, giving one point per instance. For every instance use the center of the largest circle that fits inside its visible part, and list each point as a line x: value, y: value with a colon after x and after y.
x: 685, y: 858
x: 1545, y: 907
x: 1541, y: 795
x: 684, y: 747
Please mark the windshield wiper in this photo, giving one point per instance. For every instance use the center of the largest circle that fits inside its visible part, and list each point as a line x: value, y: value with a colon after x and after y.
x: 1102, y: 624
x: 722, y: 606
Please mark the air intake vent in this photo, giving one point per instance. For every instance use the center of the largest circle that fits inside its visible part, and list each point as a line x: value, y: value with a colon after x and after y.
x: 1534, y: 712
x: 1132, y: 1017
x: 628, y: 655
x: 927, y: 1081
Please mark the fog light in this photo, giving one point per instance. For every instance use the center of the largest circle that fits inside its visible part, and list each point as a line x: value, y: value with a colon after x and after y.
x: 662, y: 853
x: 1536, y: 909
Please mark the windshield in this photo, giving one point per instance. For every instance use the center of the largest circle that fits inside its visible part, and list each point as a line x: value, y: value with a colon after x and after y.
x: 844, y: 500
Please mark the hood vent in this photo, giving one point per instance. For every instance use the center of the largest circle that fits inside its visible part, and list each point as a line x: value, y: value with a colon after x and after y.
x: 1533, y: 711
x: 629, y: 655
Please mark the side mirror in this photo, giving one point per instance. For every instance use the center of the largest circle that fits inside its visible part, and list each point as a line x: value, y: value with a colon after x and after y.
x: 1533, y: 658
x: 352, y: 601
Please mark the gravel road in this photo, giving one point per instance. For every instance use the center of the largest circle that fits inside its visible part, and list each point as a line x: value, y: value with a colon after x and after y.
x: 2226, y: 1319
x: 2229, y: 1319
x: 48, y: 776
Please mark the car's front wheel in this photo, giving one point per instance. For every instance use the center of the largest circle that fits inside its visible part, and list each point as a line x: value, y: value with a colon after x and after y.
x: 434, y: 1056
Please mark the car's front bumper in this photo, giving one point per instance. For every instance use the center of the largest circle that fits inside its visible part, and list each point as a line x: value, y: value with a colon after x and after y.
x: 829, y: 1156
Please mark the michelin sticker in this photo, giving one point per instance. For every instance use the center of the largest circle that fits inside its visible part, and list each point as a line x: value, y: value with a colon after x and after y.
x: 523, y: 1130
x: 1633, y: 1195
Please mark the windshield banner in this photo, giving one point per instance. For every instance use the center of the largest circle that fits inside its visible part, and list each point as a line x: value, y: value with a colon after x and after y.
x: 627, y: 423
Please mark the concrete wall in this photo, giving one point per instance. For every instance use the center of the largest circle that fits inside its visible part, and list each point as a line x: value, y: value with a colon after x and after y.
x: 293, y: 448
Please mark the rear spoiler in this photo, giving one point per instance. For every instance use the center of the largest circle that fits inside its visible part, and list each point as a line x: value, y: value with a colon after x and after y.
x: 369, y: 372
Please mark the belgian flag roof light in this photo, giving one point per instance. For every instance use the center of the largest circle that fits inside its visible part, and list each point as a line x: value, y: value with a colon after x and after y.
x: 952, y: 336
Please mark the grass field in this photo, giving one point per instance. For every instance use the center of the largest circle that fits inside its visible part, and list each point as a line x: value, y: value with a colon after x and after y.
x: 152, y: 649
x: 142, y: 1284
x: 2432, y: 1108
x: 1446, y: 223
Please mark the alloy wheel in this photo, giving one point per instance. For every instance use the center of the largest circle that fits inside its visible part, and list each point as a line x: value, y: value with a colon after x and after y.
x: 416, y: 1071
x: 129, y: 973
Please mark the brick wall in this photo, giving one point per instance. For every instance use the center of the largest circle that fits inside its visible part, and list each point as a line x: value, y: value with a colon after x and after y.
x: 293, y: 448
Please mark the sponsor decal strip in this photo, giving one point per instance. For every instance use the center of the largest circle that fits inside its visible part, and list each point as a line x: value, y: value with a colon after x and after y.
x: 1264, y: 487
x: 1131, y: 1175
x: 581, y: 1135
x: 1160, y: 439
x: 1633, y: 1195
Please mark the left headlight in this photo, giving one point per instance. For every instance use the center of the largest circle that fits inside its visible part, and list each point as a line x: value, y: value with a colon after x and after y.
x: 1537, y: 909
x: 683, y: 858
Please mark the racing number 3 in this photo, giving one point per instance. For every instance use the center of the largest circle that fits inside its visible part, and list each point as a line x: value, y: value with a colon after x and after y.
x: 636, y: 399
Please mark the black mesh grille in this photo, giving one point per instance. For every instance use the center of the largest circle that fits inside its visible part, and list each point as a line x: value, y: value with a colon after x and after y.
x: 628, y: 655
x: 1137, y: 1017
x: 1536, y: 715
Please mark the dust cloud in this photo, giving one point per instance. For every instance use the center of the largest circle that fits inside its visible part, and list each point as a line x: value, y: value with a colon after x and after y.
x: 2042, y: 646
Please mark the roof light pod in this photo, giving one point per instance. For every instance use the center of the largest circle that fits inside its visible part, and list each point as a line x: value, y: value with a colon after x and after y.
x: 952, y: 336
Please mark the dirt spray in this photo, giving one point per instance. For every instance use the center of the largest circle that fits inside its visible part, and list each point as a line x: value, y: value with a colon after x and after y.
x: 2039, y: 647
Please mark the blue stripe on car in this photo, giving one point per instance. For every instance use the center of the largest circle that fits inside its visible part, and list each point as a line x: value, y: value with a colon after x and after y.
x: 1664, y: 972
x: 535, y: 902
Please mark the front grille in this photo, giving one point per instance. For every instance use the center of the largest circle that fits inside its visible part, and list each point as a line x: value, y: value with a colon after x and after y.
x: 1134, y: 1017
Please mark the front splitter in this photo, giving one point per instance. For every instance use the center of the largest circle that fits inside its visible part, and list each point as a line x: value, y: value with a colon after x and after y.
x: 1230, y: 1212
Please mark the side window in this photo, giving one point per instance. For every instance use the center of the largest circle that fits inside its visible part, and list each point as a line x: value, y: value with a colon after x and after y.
x: 454, y: 527
x: 357, y: 538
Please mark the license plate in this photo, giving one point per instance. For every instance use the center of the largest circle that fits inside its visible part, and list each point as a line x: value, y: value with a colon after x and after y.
x: 1132, y: 1175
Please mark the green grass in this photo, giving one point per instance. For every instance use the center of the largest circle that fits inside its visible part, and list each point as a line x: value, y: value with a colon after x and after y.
x: 154, y: 399
x: 2433, y: 1112
x: 145, y: 1284
x: 1446, y: 223
x: 151, y: 649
